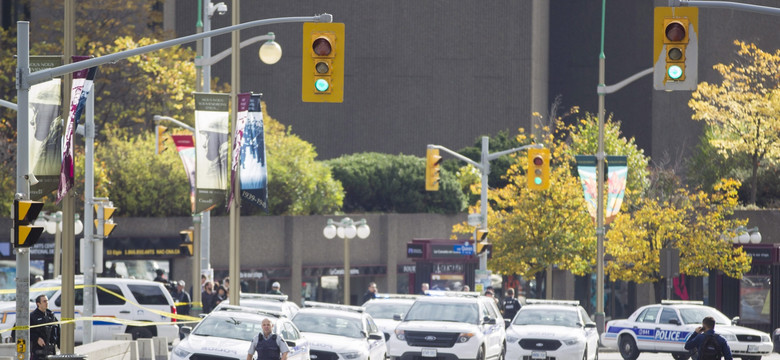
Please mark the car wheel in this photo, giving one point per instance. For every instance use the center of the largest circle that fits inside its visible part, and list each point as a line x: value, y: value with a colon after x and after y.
x: 585, y: 354
x: 681, y: 356
x: 502, y: 354
x: 140, y: 332
x: 596, y: 355
x: 628, y: 349
x: 481, y: 353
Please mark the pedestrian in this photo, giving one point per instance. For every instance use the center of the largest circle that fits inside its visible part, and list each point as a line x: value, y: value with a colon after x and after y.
x: 182, y: 299
x: 208, y: 297
x: 510, y: 305
x: 465, y: 288
x: 203, y: 280
x: 710, y: 346
x: 160, y: 276
x: 370, y: 293
x: 424, y: 289
x: 268, y: 346
x: 221, y: 295
x: 276, y: 289
x: 226, y: 283
x: 43, y: 337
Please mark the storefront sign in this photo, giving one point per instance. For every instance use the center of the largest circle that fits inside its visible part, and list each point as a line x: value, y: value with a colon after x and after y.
x: 407, y: 269
x: 448, y: 268
x: 444, y: 251
x: 415, y: 250
x: 760, y: 254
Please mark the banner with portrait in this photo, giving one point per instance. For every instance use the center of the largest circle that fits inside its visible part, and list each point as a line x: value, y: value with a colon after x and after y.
x: 82, y: 86
x: 45, y: 129
x: 185, y: 145
x: 254, y: 168
x: 238, y: 133
x: 212, y: 112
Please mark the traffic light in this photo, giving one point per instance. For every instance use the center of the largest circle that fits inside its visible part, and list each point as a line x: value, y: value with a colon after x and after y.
x: 161, y: 136
x: 432, y: 169
x: 675, y: 48
x: 24, y: 213
x: 186, y: 242
x: 322, y: 73
x: 484, y: 247
x: 104, y: 221
x: 538, y: 169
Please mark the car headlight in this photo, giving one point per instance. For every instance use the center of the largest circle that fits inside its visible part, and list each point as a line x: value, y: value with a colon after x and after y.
x: 512, y: 338
x: 399, y: 334
x: 463, y: 337
x: 765, y: 338
x: 181, y: 352
x: 571, y: 341
x: 353, y: 355
x: 729, y: 337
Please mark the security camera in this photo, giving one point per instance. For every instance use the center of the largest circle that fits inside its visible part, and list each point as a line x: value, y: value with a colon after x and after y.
x: 219, y: 8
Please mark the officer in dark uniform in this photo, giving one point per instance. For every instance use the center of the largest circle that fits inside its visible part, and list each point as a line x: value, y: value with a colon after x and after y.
x: 267, y: 345
x: 43, y: 338
x: 510, y: 305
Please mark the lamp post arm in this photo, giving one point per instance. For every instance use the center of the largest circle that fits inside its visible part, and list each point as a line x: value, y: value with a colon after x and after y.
x: 459, y: 156
x: 48, y: 74
x: 225, y: 53
x: 728, y: 5
x: 602, y: 89
x: 8, y: 104
x: 157, y: 119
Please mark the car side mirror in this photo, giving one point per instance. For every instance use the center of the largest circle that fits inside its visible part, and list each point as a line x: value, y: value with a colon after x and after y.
x: 375, y: 337
x: 397, y: 317
x: 735, y: 320
x: 290, y: 343
x: 186, y: 330
x: 590, y: 325
x: 489, y: 320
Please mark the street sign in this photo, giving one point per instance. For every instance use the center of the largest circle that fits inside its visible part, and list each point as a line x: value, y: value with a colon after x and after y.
x: 475, y: 219
x: 465, y: 249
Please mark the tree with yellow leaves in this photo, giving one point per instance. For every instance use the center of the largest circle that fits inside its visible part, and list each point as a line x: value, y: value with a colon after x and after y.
x: 743, y: 111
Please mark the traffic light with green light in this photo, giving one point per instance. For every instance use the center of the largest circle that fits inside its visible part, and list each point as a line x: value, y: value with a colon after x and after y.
x: 322, y: 73
x: 675, y: 48
x: 432, y: 169
x: 24, y: 213
x: 538, y: 169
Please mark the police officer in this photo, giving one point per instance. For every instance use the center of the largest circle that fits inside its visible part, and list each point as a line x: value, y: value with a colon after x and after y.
x: 268, y: 346
x: 41, y: 336
x: 510, y: 305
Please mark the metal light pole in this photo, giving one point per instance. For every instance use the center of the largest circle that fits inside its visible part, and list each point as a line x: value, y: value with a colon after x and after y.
x: 235, y: 206
x: 600, y: 187
x: 346, y: 229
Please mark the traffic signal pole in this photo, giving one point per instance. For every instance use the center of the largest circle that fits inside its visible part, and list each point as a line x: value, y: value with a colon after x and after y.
x: 484, y: 169
x: 24, y: 81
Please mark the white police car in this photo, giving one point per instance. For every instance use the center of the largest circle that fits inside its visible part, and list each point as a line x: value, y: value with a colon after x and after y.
x: 552, y: 329
x: 270, y: 302
x: 665, y: 327
x: 227, y: 333
x: 340, y: 332
x: 388, y: 310
x: 458, y: 325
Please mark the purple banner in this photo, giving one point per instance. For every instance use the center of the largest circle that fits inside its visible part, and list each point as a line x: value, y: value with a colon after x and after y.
x: 185, y: 144
x: 243, y: 106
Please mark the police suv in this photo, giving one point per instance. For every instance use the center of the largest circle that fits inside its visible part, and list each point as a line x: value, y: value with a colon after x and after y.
x: 340, y: 332
x: 665, y: 327
x: 275, y: 303
x: 552, y: 329
x: 450, y: 326
x: 388, y: 309
x: 227, y: 332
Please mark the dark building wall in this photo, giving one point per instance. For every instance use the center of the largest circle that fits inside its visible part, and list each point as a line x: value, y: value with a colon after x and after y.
x: 417, y: 73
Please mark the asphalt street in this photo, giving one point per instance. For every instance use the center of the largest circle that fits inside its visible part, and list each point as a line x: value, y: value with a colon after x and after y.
x: 610, y: 354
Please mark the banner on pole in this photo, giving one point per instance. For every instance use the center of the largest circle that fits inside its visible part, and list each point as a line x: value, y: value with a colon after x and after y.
x: 185, y: 145
x: 211, y: 149
x: 45, y: 129
x: 254, y: 169
x: 586, y: 168
x: 82, y: 85
x: 243, y: 106
x: 616, y: 179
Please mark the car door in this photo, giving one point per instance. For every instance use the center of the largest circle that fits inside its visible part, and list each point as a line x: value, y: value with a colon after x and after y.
x: 493, y: 334
x: 591, y: 333
x: 299, y: 349
x: 78, y: 309
x: 376, y: 341
x: 670, y: 334
x: 645, y: 327
x: 111, y: 305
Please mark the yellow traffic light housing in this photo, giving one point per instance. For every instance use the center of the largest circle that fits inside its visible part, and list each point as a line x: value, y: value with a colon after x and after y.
x: 432, y: 169
x: 538, y: 169
x: 161, y: 136
x: 24, y: 213
x: 675, y: 48
x: 187, y: 241
x: 106, y: 221
x: 322, y: 72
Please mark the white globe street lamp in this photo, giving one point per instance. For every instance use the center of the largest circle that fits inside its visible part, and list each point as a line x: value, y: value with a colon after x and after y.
x: 270, y: 52
x: 52, y: 224
x: 346, y: 229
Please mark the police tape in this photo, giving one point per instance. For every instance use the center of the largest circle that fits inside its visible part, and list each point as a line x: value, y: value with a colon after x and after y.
x: 109, y: 319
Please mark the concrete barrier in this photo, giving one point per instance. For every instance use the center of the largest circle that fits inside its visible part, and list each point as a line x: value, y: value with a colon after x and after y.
x: 145, y: 349
x: 160, y: 344
x: 8, y: 350
x: 108, y: 350
x: 122, y: 336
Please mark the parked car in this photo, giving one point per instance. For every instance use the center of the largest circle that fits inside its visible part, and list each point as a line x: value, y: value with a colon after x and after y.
x: 552, y: 329
x: 387, y: 309
x: 276, y: 303
x: 340, y: 332
x: 227, y: 332
x: 665, y: 327
x: 126, y: 299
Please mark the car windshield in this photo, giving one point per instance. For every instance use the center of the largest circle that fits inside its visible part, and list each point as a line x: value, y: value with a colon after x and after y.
x: 455, y: 312
x: 233, y: 327
x: 380, y: 310
x: 694, y: 315
x: 547, y: 317
x: 329, y: 324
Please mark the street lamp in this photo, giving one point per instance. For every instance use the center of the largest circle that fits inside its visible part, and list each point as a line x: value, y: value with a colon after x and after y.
x: 346, y: 229
x: 52, y: 224
x: 744, y: 235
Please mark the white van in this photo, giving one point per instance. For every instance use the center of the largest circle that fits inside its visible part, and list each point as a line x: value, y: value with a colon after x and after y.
x: 137, y: 300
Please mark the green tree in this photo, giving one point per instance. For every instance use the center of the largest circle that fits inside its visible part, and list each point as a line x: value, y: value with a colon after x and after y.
x: 743, y: 111
x: 394, y: 183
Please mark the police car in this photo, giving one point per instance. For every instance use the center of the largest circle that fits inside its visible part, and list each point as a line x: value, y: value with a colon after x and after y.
x: 552, y: 329
x: 275, y: 303
x: 665, y: 327
x: 227, y: 333
x: 455, y: 325
x: 340, y: 332
x: 388, y: 309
